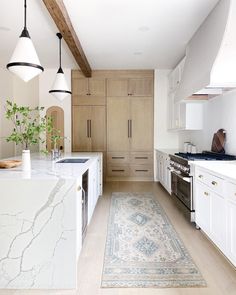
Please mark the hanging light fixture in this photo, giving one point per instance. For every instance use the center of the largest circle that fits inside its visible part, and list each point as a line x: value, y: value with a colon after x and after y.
x: 24, y: 61
x: 60, y: 88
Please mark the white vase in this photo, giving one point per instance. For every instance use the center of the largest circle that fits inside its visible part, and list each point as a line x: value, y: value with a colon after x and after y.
x: 26, y: 162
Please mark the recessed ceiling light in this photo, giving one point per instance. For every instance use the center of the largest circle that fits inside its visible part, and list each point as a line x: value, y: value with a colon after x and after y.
x: 143, y: 29
x: 5, y: 29
x: 138, y: 53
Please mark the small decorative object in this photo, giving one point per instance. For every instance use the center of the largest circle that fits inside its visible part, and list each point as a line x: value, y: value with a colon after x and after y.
x: 218, y: 142
x: 6, y: 164
x: 28, y: 127
x: 60, y: 88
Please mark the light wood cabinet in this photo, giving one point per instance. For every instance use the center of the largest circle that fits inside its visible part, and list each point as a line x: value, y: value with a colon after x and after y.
x: 119, y: 104
x: 130, y: 132
x: 130, y: 87
x: 118, y: 115
x: 141, y: 124
x: 89, y: 128
x: 89, y: 86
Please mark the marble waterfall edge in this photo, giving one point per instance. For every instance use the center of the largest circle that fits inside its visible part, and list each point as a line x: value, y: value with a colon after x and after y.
x: 38, y: 234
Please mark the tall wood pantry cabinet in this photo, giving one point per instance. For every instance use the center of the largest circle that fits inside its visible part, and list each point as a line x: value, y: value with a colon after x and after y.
x: 112, y: 112
x: 88, y: 114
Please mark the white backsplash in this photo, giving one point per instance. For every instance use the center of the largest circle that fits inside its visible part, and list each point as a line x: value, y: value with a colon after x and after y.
x: 219, y: 112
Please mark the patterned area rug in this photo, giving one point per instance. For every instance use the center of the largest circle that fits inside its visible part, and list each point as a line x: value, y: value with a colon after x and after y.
x: 143, y: 249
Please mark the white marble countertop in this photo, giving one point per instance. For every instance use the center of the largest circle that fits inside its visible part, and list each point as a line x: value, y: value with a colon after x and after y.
x: 223, y: 168
x: 42, y: 167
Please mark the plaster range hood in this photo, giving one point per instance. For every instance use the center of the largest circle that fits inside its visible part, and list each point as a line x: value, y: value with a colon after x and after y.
x: 210, y: 66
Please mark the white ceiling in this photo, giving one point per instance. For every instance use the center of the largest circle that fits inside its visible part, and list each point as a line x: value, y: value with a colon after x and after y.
x: 114, y: 34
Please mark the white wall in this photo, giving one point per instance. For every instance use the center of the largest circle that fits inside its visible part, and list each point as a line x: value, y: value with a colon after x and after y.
x: 47, y: 100
x: 163, y: 139
x: 6, y: 93
x: 219, y: 112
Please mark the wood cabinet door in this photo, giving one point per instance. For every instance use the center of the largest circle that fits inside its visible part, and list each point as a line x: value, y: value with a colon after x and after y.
x: 141, y: 124
x: 81, y: 139
x: 97, y: 87
x: 98, y: 128
x: 141, y: 87
x: 118, y: 115
x: 117, y: 87
x: 80, y: 86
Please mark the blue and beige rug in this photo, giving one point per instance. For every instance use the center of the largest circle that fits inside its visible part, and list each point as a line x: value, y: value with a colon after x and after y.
x: 143, y: 249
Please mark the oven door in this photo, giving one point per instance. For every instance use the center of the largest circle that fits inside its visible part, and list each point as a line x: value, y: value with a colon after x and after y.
x: 181, y: 187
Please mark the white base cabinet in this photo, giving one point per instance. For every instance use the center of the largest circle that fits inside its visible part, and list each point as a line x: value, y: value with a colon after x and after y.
x: 163, y: 171
x: 215, y: 210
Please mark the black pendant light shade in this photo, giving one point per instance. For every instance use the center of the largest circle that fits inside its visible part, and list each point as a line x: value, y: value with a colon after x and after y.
x: 24, y: 61
x: 60, y: 88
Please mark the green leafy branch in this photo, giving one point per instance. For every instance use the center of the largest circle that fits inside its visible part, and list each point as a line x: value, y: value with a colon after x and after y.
x: 28, y: 124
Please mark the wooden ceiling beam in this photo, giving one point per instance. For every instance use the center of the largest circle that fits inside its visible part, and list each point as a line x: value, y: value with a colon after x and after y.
x: 58, y: 12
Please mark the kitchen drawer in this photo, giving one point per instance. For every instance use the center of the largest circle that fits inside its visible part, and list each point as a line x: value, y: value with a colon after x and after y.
x: 141, y: 170
x: 118, y: 170
x: 117, y: 158
x: 141, y: 158
x: 231, y: 191
x: 214, y: 182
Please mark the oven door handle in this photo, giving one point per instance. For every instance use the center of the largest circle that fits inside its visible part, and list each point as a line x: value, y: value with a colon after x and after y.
x: 186, y: 179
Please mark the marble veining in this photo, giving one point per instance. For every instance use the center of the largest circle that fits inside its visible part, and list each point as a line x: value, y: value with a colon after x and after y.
x: 31, y: 240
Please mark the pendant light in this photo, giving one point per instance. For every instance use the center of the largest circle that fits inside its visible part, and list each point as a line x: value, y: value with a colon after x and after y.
x: 24, y: 61
x: 60, y: 88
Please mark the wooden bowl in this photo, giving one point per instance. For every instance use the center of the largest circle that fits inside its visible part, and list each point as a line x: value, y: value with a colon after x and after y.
x: 6, y: 164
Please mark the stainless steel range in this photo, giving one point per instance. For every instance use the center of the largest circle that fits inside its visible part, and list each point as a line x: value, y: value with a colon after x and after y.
x: 182, y: 178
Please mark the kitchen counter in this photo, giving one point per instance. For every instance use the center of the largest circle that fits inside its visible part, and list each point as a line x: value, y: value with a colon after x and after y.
x: 41, y: 221
x: 44, y: 168
x: 168, y: 151
x: 222, y: 168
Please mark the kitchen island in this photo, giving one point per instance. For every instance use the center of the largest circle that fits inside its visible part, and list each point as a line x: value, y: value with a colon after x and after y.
x: 41, y: 221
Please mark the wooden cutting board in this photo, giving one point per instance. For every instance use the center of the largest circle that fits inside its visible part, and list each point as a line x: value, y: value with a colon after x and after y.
x: 6, y: 164
x: 218, y: 142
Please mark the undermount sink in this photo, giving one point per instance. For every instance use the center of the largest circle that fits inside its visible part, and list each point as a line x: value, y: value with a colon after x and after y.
x: 73, y: 160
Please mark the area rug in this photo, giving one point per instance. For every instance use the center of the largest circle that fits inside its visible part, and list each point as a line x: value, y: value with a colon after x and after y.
x: 143, y: 249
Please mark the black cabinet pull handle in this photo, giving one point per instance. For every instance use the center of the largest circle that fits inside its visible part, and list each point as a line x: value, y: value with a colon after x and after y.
x: 118, y: 170
x: 131, y: 128
x: 118, y: 157
x: 141, y: 158
x: 140, y: 170
x: 87, y: 128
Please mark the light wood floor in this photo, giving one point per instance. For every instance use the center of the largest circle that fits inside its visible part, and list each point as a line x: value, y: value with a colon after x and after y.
x: 216, y: 270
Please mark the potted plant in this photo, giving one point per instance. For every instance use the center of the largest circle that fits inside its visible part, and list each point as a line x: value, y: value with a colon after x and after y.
x: 28, y: 125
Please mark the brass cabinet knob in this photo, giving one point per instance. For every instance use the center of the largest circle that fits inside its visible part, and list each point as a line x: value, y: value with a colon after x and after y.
x: 206, y: 193
x: 214, y: 183
x: 200, y: 176
x: 79, y: 188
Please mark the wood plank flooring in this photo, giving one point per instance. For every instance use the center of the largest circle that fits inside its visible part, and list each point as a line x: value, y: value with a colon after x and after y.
x: 216, y: 270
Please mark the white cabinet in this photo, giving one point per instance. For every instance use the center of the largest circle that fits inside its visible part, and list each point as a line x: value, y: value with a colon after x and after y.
x: 231, y: 221
x: 78, y: 216
x: 203, y: 207
x: 185, y: 116
x: 182, y: 115
x: 215, y: 200
x: 176, y: 75
x: 93, y: 188
x: 163, y: 171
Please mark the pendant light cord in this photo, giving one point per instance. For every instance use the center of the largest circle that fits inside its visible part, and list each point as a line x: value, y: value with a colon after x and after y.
x: 60, y: 37
x: 25, y: 32
x: 25, y: 19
